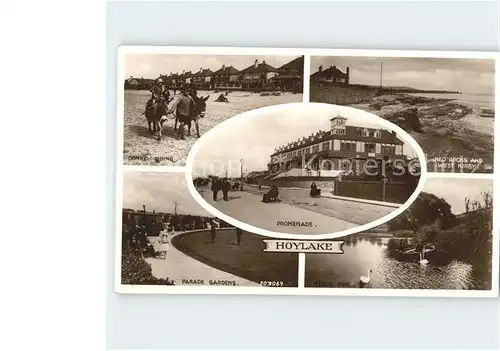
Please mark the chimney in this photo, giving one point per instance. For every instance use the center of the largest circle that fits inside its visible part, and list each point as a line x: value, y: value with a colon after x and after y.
x: 256, y: 63
x: 223, y: 67
x: 320, y: 69
x: 183, y: 71
x: 347, y: 72
x: 334, y: 67
x: 264, y: 62
x: 170, y: 73
x: 201, y: 69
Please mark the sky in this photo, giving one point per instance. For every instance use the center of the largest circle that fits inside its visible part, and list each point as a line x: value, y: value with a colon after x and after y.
x: 154, y: 65
x: 455, y: 190
x: 159, y: 192
x: 472, y: 76
x: 255, y: 138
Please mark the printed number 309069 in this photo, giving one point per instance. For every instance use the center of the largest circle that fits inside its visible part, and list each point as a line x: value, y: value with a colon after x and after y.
x: 271, y: 283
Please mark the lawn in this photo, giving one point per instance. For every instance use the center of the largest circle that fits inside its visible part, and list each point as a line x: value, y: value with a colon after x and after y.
x: 246, y: 260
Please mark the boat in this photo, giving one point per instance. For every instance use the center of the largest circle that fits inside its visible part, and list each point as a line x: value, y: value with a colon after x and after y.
x: 414, y: 254
x: 487, y: 112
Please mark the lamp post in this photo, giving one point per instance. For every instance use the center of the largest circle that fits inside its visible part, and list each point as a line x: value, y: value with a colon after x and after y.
x: 241, y: 173
x: 384, y: 181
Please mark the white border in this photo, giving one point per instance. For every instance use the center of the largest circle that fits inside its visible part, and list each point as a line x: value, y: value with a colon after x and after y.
x: 344, y: 111
x: 307, y: 52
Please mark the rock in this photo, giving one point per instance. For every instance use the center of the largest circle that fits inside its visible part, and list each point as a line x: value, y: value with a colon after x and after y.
x: 405, y: 117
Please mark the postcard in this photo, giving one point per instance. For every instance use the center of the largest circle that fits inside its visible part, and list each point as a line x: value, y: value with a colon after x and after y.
x: 306, y: 172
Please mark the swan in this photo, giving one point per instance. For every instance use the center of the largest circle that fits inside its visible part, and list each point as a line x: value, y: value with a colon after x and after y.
x: 364, y: 280
x: 423, y: 260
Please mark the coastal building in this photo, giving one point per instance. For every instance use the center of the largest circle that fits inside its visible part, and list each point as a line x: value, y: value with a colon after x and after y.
x: 202, y: 79
x: 138, y: 83
x: 227, y: 77
x: 187, y: 77
x: 344, y: 148
x: 331, y: 75
x: 174, y: 80
x: 290, y: 76
x: 258, y: 75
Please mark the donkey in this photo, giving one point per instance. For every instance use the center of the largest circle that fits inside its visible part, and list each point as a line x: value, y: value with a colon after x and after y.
x: 154, y: 116
x: 200, y: 105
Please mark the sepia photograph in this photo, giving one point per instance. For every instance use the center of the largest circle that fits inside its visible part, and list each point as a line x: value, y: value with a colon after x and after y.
x: 305, y: 169
x: 170, y: 100
x: 445, y: 104
x: 444, y: 240
x: 168, y: 239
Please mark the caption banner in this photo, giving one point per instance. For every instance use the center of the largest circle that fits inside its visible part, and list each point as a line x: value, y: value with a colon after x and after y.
x: 308, y: 246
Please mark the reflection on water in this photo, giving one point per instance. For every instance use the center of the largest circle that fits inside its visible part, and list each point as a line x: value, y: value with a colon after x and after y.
x: 363, y: 254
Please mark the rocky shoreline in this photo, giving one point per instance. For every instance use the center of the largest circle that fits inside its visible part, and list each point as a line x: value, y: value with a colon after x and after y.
x: 438, y: 125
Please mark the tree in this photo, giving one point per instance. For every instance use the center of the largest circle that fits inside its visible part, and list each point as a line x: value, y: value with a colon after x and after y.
x: 427, y: 209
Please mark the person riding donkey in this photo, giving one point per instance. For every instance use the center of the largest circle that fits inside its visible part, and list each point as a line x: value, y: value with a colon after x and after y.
x: 158, y: 91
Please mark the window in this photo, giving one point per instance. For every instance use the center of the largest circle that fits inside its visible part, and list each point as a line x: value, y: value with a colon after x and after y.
x: 365, y: 133
x: 308, y: 151
x: 370, y: 148
x: 315, y: 149
x: 377, y: 134
x: 339, y: 131
x: 388, y: 149
x: 299, y: 153
x: 325, y: 146
x: 348, y: 146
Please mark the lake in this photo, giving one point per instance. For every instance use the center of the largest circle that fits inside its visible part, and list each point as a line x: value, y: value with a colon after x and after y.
x: 362, y: 254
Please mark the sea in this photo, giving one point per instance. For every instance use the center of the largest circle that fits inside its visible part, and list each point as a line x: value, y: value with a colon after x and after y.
x: 483, y: 101
x: 480, y: 103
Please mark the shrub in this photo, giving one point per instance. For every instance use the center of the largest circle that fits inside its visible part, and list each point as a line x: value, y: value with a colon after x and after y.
x: 136, y: 271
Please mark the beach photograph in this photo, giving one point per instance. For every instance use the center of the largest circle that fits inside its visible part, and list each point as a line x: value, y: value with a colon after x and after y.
x: 304, y: 169
x: 442, y: 241
x: 445, y: 104
x: 170, y: 100
x: 168, y: 239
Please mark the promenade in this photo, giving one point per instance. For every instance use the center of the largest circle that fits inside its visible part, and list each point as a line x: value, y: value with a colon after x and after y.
x: 324, y: 214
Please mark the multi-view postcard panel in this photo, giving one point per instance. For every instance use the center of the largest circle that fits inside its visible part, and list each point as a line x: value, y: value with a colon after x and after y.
x: 445, y: 104
x: 380, y: 182
x: 225, y: 86
x: 330, y: 169
x: 180, y: 243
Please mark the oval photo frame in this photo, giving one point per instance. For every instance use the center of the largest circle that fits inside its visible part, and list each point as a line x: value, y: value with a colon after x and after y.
x: 342, y: 110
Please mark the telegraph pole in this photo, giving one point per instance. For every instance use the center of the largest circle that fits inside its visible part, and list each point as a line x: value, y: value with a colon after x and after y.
x: 381, y: 69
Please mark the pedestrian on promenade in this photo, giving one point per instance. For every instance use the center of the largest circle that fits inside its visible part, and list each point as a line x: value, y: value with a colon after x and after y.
x: 239, y: 233
x: 225, y: 189
x: 215, y: 188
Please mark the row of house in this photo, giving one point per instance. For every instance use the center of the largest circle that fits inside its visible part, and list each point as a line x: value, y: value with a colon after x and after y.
x: 258, y: 76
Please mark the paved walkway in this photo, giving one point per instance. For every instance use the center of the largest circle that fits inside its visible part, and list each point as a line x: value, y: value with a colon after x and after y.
x: 184, y: 270
x: 277, y: 217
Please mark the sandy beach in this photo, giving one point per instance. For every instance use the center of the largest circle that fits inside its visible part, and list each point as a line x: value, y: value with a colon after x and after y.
x: 141, y: 148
